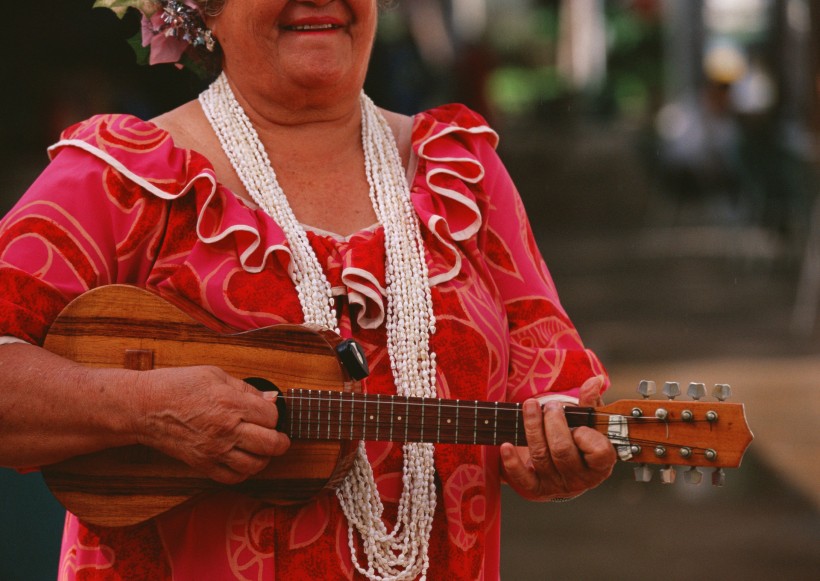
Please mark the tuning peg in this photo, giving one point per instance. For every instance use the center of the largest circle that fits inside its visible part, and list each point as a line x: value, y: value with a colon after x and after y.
x: 696, y: 390
x: 647, y: 388
x: 643, y: 473
x: 722, y: 391
x: 718, y: 477
x: 671, y: 389
x: 693, y: 476
x: 667, y: 475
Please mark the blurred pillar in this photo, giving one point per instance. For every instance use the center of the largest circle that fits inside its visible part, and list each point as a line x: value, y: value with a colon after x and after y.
x: 683, y: 54
x: 582, y: 43
x: 804, y: 315
x: 428, y: 25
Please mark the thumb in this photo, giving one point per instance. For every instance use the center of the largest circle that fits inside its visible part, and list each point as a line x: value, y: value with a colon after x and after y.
x: 590, y: 392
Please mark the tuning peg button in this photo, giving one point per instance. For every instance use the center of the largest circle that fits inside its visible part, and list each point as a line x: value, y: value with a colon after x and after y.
x: 722, y: 391
x: 643, y: 473
x: 667, y: 475
x: 647, y: 388
x: 693, y: 476
x: 671, y: 389
x: 696, y: 390
x: 719, y: 477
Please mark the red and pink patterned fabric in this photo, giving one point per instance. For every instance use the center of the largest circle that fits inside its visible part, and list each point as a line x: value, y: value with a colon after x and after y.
x: 121, y: 204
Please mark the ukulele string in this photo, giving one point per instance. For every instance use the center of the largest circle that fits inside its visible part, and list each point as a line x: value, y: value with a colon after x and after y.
x: 413, y: 410
x: 414, y: 404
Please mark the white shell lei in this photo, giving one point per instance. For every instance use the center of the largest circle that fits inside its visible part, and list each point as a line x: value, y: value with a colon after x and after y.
x: 400, y: 554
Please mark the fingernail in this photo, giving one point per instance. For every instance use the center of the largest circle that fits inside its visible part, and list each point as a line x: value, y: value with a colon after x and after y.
x: 270, y: 395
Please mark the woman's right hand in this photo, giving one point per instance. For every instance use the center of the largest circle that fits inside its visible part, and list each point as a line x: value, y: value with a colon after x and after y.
x: 215, y: 423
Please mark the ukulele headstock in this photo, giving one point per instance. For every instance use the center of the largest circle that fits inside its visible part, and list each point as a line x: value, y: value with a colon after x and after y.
x: 694, y: 433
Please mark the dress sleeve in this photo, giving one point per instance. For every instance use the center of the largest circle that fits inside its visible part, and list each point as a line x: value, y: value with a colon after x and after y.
x: 547, y: 357
x: 80, y: 225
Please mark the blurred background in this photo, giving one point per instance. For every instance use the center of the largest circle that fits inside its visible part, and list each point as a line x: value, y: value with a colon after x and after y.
x: 667, y: 151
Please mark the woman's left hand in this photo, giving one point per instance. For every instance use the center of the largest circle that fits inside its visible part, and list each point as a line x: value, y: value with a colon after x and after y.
x: 558, y: 463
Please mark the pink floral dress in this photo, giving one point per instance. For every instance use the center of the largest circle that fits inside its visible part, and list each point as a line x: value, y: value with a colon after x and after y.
x: 121, y: 204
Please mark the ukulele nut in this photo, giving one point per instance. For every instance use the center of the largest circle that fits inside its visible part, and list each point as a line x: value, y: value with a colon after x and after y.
x: 710, y: 454
x: 662, y: 413
x: 711, y: 416
x: 660, y: 451
x: 637, y: 413
x: 687, y: 415
x: 686, y: 452
x: 635, y: 449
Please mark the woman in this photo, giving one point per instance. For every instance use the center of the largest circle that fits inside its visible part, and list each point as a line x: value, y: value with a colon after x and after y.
x: 404, y: 233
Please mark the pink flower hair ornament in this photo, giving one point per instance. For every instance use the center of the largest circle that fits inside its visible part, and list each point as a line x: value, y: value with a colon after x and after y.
x: 172, y: 32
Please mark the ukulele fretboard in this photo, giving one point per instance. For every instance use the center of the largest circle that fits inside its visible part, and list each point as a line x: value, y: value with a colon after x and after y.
x: 332, y: 415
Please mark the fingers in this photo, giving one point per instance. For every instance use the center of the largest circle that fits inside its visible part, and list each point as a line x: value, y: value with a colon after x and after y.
x: 536, y: 435
x: 558, y: 462
x: 517, y: 473
x: 213, y: 422
x: 597, y: 451
x: 566, y: 461
x: 258, y: 407
x: 250, y: 454
x: 261, y: 441
x: 590, y: 392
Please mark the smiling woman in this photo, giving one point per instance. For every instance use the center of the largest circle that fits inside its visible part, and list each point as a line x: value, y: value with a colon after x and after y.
x: 294, y: 51
x: 283, y: 194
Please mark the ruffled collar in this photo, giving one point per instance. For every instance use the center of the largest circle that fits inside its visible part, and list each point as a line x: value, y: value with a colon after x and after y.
x: 444, y: 190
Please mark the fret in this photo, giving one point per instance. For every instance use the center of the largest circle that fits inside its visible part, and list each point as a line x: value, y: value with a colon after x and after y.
x: 438, y: 423
x: 318, y: 417
x: 341, y: 406
x: 406, y: 417
x: 330, y: 400
x: 352, y: 417
x: 421, y: 434
x: 458, y: 408
x: 495, y: 425
x: 307, y: 399
x: 517, y: 420
x: 392, y: 416
x: 298, y: 398
x: 364, y: 417
x: 378, y: 415
x: 307, y: 419
x: 475, y: 422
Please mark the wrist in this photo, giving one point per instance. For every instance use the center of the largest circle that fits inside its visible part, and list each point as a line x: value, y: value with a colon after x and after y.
x: 117, y: 395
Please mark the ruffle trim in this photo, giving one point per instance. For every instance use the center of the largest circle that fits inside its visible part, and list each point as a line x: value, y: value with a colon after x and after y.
x: 444, y: 193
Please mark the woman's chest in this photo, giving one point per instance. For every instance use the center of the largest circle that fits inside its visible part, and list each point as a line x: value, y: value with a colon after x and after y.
x: 470, y: 335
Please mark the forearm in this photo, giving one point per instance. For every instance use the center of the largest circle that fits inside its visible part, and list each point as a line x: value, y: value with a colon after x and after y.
x: 52, y: 408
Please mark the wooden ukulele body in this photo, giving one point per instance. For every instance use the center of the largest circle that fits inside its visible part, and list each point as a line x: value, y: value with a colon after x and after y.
x: 127, y: 327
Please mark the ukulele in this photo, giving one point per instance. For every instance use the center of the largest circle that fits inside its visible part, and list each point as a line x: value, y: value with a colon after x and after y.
x: 324, y: 413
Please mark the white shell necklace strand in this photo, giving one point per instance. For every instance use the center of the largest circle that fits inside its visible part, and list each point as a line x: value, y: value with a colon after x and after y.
x: 400, y: 554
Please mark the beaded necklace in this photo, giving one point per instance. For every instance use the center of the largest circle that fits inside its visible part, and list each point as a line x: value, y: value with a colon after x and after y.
x: 400, y: 554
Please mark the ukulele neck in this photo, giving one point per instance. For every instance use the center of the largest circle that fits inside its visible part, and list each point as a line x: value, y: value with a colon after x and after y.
x: 331, y: 415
